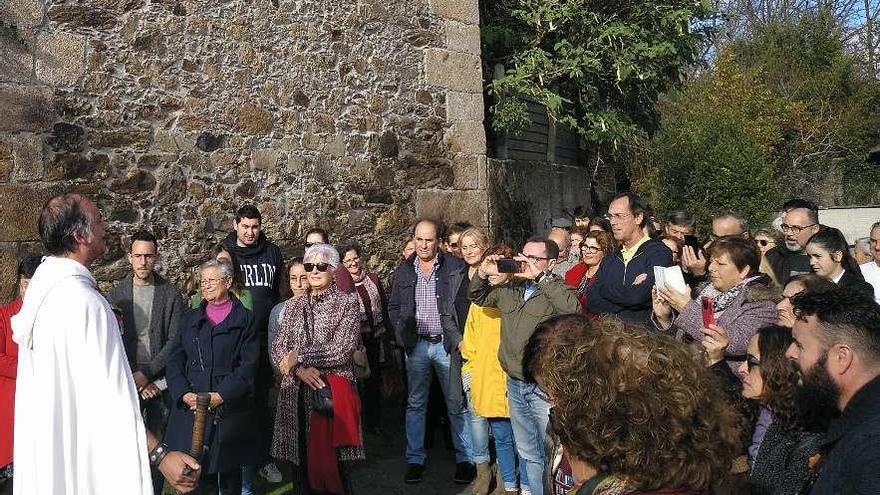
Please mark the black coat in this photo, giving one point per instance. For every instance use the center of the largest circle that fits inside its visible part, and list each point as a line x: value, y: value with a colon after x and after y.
x: 787, y: 264
x: 856, y: 283
x: 614, y: 293
x: 850, y: 461
x: 220, y: 359
x: 782, y: 466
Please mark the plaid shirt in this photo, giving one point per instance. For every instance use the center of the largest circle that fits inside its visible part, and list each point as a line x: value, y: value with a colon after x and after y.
x: 427, y: 312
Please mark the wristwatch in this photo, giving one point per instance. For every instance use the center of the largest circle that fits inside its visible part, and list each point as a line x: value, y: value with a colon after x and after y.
x: 158, y: 454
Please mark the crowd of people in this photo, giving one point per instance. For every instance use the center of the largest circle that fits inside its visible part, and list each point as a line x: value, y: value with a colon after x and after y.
x: 564, y: 365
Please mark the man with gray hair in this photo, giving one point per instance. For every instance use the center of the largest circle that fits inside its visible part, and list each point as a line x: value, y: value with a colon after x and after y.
x: 861, y: 250
x: 871, y: 269
x: 799, y: 224
x: 78, y: 427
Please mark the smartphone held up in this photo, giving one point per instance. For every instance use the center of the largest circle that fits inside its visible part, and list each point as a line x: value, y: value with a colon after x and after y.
x: 509, y: 265
x: 708, y: 307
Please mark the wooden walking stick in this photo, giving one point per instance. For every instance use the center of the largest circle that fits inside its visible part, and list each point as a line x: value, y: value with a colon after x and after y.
x: 197, y: 447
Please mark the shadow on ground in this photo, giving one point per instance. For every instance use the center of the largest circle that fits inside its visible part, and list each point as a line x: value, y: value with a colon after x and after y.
x: 382, y: 473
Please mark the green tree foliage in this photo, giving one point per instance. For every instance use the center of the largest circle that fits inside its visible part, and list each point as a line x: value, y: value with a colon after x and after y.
x: 712, y: 149
x: 785, y: 112
x: 598, y: 67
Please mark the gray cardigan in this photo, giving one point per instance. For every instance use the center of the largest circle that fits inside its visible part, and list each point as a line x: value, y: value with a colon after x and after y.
x: 168, y: 307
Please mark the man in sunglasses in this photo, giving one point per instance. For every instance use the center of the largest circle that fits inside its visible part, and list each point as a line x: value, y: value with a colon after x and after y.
x: 451, y: 244
x: 798, y: 225
x: 427, y: 309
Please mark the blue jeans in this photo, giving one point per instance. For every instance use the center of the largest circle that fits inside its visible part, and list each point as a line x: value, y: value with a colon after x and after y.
x: 419, y: 363
x: 502, y: 432
x: 529, y: 415
x: 248, y: 474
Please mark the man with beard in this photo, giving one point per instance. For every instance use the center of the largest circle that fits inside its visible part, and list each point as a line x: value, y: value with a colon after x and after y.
x: 798, y: 225
x: 837, y: 350
x: 151, y: 309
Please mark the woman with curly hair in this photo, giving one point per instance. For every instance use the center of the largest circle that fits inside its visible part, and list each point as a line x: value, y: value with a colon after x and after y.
x: 780, y: 446
x: 635, y: 412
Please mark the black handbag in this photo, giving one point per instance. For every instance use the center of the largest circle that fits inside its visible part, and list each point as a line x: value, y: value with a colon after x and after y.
x: 322, y: 398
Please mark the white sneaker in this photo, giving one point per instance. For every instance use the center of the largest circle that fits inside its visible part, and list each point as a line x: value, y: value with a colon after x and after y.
x: 271, y: 473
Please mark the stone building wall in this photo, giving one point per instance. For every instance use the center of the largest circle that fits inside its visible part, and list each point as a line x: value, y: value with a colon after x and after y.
x: 354, y: 115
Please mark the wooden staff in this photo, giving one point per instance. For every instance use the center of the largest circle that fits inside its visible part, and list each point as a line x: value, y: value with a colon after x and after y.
x: 197, y: 447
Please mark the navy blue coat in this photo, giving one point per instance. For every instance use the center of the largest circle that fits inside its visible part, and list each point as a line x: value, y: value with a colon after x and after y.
x: 452, y: 301
x: 220, y: 359
x: 850, y: 462
x: 614, y: 293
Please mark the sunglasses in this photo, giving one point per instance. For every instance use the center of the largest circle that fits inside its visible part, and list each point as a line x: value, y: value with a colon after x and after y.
x: 763, y: 242
x: 322, y: 267
x: 752, y: 362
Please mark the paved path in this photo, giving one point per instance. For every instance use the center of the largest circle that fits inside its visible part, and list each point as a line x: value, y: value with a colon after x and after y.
x: 382, y: 473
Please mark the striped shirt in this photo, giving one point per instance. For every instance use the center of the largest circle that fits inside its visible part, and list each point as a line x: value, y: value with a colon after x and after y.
x: 427, y: 311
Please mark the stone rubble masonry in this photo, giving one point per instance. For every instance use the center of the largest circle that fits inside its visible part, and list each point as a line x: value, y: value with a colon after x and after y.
x: 355, y: 116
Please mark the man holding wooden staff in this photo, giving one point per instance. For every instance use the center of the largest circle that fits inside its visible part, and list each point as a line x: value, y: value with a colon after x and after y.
x: 78, y: 427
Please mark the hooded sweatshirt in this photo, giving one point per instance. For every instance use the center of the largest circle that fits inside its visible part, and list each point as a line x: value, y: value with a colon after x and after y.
x: 78, y: 427
x: 261, y: 266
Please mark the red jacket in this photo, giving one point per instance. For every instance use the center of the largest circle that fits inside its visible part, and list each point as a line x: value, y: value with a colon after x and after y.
x: 573, y: 278
x: 8, y: 370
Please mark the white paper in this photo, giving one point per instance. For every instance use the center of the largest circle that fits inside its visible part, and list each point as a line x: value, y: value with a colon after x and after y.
x: 670, y: 277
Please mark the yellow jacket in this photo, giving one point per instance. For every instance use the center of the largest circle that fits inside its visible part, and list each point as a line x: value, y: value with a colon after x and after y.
x: 479, y: 349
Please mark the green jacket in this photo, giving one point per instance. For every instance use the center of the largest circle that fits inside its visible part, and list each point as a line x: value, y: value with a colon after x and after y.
x: 518, y: 317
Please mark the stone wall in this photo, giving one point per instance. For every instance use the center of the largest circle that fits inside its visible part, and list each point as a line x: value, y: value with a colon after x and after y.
x: 526, y: 196
x: 353, y: 115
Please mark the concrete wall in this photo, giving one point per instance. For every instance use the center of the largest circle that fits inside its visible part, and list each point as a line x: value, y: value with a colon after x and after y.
x: 526, y: 196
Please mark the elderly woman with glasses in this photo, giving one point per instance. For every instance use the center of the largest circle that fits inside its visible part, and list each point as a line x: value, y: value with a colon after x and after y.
x: 366, y: 285
x: 319, y: 332
x: 216, y: 352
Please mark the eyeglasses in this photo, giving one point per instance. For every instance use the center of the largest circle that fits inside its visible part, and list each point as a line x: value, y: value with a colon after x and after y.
x: 752, y: 362
x: 795, y: 229
x: 617, y: 216
x: 535, y: 258
x: 310, y: 244
x: 590, y: 249
x: 351, y: 261
x: 322, y: 267
x: 762, y: 242
x: 205, y: 282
